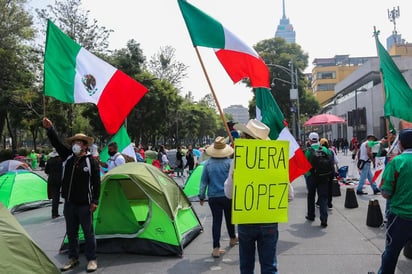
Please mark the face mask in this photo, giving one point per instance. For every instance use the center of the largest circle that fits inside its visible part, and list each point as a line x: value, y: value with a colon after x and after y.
x: 112, y: 153
x: 76, y: 148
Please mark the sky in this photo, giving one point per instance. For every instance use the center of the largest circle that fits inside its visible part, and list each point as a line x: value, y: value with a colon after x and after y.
x: 324, y: 28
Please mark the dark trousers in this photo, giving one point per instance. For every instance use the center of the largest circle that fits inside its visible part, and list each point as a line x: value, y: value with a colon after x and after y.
x: 75, y: 216
x: 220, y: 206
x: 320, y: 186
x: 54, y: 194
x: 398, y: 233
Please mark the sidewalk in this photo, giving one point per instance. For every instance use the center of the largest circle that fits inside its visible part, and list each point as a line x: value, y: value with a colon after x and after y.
x: 347, y: 245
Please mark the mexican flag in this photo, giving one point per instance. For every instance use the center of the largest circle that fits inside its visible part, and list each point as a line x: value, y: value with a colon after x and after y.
x: 239, y: 60
x: 268, y: 111
x: 124, y: 145
x: 398, y: 102
x: 74, y: 75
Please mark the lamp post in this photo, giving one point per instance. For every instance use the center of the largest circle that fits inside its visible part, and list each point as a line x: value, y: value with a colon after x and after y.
x: 293, y: 95
x: 357, y: 111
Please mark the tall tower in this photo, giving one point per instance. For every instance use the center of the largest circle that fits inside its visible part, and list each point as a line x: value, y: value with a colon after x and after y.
x: 395, y: 38
x: 285, y: 28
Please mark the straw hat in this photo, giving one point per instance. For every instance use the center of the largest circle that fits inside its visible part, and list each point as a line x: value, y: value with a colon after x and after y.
x: 219, y: 149
x: 324, y: 141
x: 82, y: 137
x: 255, y: 129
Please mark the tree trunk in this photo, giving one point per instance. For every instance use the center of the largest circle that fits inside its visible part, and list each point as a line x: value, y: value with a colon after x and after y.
x: 13, y: 138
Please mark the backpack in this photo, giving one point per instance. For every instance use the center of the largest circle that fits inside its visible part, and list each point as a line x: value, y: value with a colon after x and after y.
x: 322, y: 164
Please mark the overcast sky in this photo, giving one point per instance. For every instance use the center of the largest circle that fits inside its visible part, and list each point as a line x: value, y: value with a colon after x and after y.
x: 323, y: 28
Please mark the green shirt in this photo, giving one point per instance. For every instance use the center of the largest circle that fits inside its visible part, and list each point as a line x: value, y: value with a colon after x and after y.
x: 308, y: 154
x: 396, y: 181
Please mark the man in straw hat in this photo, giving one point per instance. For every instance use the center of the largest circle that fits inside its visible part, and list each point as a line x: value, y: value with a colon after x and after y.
x: 80, y: 190
x: 215, y: 172
x: 265, y: 235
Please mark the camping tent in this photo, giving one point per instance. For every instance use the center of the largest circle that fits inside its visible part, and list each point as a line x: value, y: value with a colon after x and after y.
x: 9, y: 165
x: 22, y: 189
x: 192, y: 185
x: 18, y: 252
x: 141, y: 210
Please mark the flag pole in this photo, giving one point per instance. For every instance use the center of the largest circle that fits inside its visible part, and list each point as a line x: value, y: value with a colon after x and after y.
x: 214, y: 95
x: 44, y: 105
x: 375, y: 34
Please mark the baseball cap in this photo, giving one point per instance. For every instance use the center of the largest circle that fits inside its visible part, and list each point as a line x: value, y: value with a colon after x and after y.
x: 313, y: 136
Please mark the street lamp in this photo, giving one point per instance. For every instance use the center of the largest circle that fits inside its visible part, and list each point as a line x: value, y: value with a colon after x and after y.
x: 294, y: 95
x: 357, y: 111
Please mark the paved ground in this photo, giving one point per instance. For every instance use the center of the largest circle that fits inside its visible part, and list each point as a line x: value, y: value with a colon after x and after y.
x: 347, y: 245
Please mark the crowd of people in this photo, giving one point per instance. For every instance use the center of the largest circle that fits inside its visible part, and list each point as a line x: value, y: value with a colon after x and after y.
x: 74, y: 172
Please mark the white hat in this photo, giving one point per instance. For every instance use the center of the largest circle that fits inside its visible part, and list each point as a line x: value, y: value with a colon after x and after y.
x: 255, y: 129
x: 219, y: 149
x: 313, y: 136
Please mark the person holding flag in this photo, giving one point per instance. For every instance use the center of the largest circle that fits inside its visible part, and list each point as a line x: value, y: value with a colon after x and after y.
x: 81, y: 192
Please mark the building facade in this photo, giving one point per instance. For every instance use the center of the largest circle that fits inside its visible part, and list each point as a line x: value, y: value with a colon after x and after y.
x: 240, y: 113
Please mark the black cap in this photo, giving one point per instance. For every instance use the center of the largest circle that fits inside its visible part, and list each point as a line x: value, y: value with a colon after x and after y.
x: 405, y: 136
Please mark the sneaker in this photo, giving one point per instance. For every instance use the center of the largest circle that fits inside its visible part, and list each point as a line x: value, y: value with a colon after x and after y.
x: 361, y: 193
x: 91, y: 266
x: 72, y: 262
x: 55, y: 216
x: 323, y: 224
x: 216, y: 252
x: 233, y: 241
x: 376, y: 191
x: 310, y: 218
x: 330, y: 206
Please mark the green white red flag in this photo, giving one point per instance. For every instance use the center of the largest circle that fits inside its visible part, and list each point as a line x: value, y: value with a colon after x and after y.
x: 74, y: 75
x: 124, y: 145
x: 241, y: 61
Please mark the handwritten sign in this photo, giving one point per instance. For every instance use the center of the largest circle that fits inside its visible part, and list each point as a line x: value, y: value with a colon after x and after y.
x: 260, y: 181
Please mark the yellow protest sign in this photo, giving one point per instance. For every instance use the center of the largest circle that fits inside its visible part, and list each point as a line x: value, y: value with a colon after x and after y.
x: 260, y: 181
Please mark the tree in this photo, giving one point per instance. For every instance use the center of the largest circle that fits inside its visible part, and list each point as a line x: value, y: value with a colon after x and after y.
x: 15, y: 33
x: 277, y: 54
x: 165, y: 66
x: 74, y: 21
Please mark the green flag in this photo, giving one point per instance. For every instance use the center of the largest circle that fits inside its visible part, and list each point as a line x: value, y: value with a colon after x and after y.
x: 398, y: 94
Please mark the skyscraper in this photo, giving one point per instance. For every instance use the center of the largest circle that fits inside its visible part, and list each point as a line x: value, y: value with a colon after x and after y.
x: 285, y: 28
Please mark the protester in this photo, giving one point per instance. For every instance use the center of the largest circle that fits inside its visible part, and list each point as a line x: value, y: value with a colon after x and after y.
x: 162, y: 158
x: 317, y: 180
x: 397, y: 187
x: 115, y: 159
x: 215, y: 171
x: 179, y: 161
x: 265, y: 236
x: 33, y: 156
x: 43, y: 158
x: 54, y: 169
x: 80, y: 190
x: 190, y: 159
x: 324, y: 142
x: 364, y: 164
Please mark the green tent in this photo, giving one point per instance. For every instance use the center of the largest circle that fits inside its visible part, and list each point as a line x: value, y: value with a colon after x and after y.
x: 141, y: 210
x: 192, y: 185
x: 22, y: 189
x: 18, y: 252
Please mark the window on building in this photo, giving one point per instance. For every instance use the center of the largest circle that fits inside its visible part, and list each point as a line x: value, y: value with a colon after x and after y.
x: 323, y: 87
x: 326, y: 75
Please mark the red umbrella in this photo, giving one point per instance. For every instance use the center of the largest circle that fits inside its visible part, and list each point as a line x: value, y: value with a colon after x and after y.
x: 324, y: 119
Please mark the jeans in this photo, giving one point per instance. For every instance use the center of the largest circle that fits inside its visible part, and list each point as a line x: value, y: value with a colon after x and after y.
x: 266, y: 237
x: 218, y: 206
x: 366, y: 173
x: 321, y: 186
x: 398, y: 233
x: 54, y: 190
x: 76, y: 215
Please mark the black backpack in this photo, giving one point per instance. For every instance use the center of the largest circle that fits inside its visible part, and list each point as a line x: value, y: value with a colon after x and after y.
x: 322, y: 164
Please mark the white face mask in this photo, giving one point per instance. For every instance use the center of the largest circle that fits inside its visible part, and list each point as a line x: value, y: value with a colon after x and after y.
x: 76, y: 148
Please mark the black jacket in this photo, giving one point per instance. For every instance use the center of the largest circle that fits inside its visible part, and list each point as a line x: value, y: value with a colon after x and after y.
x: 79, y: 186
x: 54, y: 169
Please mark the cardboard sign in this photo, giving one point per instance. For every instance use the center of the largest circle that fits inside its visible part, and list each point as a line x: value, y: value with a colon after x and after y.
x: 260, y: 181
